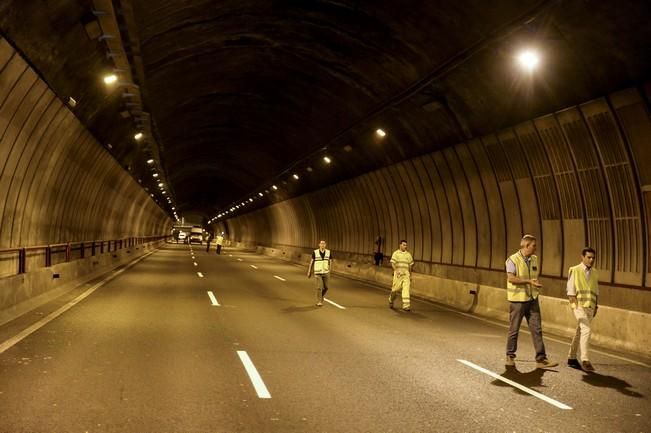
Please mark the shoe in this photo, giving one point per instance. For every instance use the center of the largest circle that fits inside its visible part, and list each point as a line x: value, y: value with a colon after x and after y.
x: 573, y: 362
x: 546, y: 363
x: 587, y: 366
x: 319, y: 304
x: 510, y: 361
x: 391, y: 304
x: 407, y: 308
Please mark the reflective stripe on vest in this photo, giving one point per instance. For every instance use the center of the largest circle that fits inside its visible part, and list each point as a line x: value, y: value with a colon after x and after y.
x: 523, y: 292
x: 321, y: 265
x: 586, y: 291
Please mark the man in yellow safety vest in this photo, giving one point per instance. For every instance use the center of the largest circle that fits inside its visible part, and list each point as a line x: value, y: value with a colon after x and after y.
x: 401, y: 262
x: 522, y: 290
x: 582, y: 291
x: 321, y: 258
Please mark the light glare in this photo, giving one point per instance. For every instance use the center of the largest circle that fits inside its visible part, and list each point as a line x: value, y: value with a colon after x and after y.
x: 380, y: 132
x: 529, y: 60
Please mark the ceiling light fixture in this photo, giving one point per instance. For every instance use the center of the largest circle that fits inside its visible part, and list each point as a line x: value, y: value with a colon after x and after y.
x: 380, y: 132
x: 528, y: 60
x: 110, y: 79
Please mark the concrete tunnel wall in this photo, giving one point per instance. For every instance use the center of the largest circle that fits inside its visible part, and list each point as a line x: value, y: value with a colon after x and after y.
x: 58, y: 184
x: 573, y: 178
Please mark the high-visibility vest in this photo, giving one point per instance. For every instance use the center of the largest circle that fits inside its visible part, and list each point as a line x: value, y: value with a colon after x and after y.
x: 586, y: 290
x: 523, y: 292
x: 321, y: 265
x: 220, y: 240
x: 402, y: 260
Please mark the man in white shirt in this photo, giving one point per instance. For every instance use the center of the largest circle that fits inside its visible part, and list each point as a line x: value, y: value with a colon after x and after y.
x: 583, y: 291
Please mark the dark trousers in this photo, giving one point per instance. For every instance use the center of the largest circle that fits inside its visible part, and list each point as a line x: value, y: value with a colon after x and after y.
x: 207, y: 246
x: 531, y: 311
x: 219, y: 249
x: 321, y: 286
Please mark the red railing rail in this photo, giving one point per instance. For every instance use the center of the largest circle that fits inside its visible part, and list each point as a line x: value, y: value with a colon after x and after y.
x: 72, y: 250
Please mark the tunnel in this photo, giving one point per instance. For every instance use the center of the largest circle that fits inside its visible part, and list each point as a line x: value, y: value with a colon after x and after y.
x: 181, y: 182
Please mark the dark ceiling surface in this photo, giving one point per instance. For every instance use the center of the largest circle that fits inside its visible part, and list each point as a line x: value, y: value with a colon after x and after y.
x: 245, y: 93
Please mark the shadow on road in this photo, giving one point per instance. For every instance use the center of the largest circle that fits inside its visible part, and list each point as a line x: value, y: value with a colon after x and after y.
x: 530, y: 379
x: 604, y: 381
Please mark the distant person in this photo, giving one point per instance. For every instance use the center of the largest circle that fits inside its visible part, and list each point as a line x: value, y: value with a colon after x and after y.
x: 208, y: 239
x: 321, y: 258
x: 378, y: 256
x: 401, y: 262
x: 522, y: 290
x: 219, y: 241
x: 583, y: 291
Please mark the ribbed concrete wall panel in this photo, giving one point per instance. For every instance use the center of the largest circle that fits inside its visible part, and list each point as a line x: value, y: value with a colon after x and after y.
x: 479, y: 206
x: 573, y: 178
x: 58, y: 184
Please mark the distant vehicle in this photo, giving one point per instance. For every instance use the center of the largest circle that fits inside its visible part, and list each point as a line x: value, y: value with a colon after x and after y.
x: 196, y: 235
x: 182, y: 237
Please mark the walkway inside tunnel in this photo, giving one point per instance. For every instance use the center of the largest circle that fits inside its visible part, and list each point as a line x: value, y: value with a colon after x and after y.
x: 185, y: 340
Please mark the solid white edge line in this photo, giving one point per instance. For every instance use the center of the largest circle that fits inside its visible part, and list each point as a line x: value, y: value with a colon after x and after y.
x: 200, y: 274
x: 44, y: 321
x: 254, y: 266
x: 279, y: 278
x: 214, y: 301
x: 543, y: 397
x: 256, y: 380
x: 334, y: 303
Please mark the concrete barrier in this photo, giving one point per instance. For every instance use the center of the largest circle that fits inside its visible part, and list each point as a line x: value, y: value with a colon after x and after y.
x: 613, y: 328
x: 22, y: 293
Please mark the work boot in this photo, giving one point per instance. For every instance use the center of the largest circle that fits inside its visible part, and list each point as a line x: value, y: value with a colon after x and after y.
x: 546, y: 363
x: 319, y: 304
x: 587, y: 366
x: 510, y: 361
x: 574, y: 363
x: 406, y: 308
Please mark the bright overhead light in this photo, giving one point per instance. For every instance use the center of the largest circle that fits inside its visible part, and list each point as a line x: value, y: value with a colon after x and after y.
x: 529, y: 60
x: 173, y: 208
x: 274, y: 187
x: 251, y: 200
x: 160, y: 184
x: 327, y: 160
x: 295, y: 176
x: 150, y: 161
x: 163, y: 192
x: 380, y: 132
x: 155, y: 175
x: 110, y: 79
x: 138, y: 136
x: 260, y: 194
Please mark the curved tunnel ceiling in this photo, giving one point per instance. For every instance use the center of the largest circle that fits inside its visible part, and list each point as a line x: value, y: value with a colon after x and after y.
x: 240, y: 92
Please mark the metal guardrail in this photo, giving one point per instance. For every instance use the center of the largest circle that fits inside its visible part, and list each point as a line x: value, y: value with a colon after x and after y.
x: 69, y: 251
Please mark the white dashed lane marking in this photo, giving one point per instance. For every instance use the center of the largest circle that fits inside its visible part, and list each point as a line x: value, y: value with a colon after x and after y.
x: 334, y: 303
x: 254, y: 266
x: 279, y: 278
x: 536, y: 394
x: 258, y: 384
x: 213, y: 299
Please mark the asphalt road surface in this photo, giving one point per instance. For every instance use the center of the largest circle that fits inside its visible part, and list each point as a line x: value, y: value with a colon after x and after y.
x: 235, y: 343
